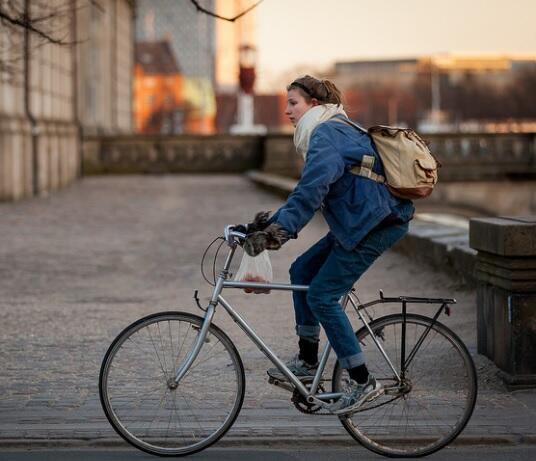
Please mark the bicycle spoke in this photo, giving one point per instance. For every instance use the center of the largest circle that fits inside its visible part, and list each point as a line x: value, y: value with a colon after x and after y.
x: 143, y: 405
x: 177, y: 357
x: 156, y: 352
x: 162, y: 346
x: 437, y: 396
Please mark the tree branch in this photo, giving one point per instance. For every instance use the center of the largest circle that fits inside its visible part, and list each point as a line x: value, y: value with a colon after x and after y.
x: 214, y: 15
x: 26, y: 22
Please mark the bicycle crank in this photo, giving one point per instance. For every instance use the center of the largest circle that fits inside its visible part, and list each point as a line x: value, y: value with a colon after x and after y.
x: 302, y: 405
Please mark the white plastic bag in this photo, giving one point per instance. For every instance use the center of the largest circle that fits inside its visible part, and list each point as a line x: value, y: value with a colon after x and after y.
x: 255, y: 269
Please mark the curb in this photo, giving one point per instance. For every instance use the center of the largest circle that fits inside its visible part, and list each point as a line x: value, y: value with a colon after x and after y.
x: 262, y: 442
x: 277, y: 184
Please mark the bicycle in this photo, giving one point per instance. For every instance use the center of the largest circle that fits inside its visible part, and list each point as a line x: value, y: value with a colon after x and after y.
x: 173, y: 383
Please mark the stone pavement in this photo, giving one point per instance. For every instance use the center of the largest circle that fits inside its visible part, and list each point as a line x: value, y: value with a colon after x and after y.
x: 78, y: 266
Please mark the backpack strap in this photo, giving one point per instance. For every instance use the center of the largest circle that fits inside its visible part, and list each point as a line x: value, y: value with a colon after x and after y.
x: 341, y: 118
x: 365, y: 168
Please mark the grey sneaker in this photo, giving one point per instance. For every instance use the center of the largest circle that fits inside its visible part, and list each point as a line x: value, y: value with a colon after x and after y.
x: 301, y: 369
x: 356, y: 395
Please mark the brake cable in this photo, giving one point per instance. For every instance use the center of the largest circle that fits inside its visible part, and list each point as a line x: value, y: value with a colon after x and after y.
x: 214, y: 262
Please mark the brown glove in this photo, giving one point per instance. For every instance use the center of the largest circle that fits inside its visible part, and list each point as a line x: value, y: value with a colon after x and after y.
x: 260, y: 221
x: 271, y: 238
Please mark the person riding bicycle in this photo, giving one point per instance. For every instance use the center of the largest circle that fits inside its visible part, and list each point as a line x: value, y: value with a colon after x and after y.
x: 364, y: 219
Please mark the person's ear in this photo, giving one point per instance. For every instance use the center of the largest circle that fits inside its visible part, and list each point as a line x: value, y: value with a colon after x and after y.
x: 314, y: 102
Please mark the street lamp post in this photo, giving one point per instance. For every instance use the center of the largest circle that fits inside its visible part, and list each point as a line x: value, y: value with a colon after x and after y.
x: 436, y: 95
x: 245, y: 123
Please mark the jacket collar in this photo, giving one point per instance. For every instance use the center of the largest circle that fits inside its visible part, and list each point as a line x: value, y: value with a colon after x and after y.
x: 310, y: 120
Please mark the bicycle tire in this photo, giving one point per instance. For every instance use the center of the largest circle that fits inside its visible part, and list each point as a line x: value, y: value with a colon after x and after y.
x: 433, y: 410
x: 141, y: 406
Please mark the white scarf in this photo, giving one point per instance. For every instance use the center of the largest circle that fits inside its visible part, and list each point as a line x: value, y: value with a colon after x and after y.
x: 309, y: 121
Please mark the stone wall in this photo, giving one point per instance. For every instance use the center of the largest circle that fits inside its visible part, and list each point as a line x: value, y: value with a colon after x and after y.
x: 57, y: 155
x: 280, y: 156
x: 15, y: 158
x: 487, y: 173
x: 465, y: 157
x: 506, y: 297
x: 487, y: 156
x: 15, y: 137
x: 38, y: 133
x: 54, y: 93
x: 486, y: 197
x: 137, y: 154
x: 104, y: 60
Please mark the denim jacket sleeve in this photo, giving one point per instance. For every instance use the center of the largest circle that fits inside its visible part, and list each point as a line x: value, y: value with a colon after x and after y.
x: 324, y: 166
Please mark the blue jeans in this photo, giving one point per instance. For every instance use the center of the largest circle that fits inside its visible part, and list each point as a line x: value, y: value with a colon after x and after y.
x: 331, y: 271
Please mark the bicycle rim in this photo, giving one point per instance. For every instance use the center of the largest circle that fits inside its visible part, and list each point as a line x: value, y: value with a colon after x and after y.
x: 141, y: 405
x: 438, y: 397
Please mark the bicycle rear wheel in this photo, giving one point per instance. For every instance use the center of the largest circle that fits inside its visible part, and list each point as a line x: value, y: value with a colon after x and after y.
x: 435, y: 399
x: 139, y: 397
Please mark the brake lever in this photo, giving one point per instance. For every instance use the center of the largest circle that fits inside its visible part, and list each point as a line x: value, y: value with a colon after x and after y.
x: 196, y: 297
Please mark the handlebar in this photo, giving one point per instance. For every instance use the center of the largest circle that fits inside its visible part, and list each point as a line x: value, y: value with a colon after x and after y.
x: 230, y: 234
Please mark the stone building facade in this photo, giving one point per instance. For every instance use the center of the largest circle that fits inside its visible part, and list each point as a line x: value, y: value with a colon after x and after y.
x: 53, y: 94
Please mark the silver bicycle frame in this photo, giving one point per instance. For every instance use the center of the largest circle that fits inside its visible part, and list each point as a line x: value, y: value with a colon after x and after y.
x: 216, y: 298
x: 373, y: 336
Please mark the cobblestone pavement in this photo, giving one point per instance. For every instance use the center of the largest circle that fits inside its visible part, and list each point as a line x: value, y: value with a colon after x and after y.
x: 78, y: 266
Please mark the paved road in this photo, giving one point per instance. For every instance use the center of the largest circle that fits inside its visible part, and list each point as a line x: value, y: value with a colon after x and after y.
x: 517, y: 453
x: 78, y: 266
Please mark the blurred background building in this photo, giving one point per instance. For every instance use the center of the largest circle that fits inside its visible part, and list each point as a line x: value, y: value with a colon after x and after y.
x: 191, y: 42
x: 206, y: 52
x: 443, y: 92
x: 158, y: 89
x: 160, y: 67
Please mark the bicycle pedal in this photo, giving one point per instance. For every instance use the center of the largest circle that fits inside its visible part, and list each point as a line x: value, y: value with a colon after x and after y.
x: 281, y: 384
x: 303, y: 379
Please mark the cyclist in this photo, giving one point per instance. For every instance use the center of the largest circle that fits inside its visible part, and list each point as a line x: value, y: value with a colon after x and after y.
x: 364, y: 219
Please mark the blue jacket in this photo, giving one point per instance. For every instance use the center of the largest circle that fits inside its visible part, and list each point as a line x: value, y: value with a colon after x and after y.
x: 352, y: 205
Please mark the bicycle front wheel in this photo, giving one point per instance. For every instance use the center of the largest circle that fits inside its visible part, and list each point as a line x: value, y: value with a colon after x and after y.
x: 146, y: 407
x: 430, y: 405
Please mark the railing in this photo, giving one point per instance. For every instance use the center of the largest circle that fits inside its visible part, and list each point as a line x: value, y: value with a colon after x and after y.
x: 482, y: 173
x: 485, y: 156
x: 172, y: 154
x: 465, y: 157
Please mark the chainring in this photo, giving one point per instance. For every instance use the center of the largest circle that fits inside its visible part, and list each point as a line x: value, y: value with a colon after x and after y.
x: 302, y: 405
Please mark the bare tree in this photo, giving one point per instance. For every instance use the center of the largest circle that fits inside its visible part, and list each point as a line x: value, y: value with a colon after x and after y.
x: 217, y: 16
x: 18, y: 14
x: 49, y: 23
x: 43, y: 21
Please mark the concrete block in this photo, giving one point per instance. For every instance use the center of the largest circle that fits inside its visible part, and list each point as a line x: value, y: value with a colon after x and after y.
x: 506, y: 295
x: 506, y: 333
x: 504, y: 236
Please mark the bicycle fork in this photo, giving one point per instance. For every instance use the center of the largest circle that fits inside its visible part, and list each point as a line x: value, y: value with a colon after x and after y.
x: 211, y: 309
x: 192, y: 355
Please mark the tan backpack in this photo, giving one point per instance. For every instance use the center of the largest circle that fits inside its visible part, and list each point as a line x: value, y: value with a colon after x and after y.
x: 410, y: 168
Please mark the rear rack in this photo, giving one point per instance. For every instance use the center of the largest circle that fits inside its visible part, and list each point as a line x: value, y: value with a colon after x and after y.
x: 408, y: 299
x: 414, y: 299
